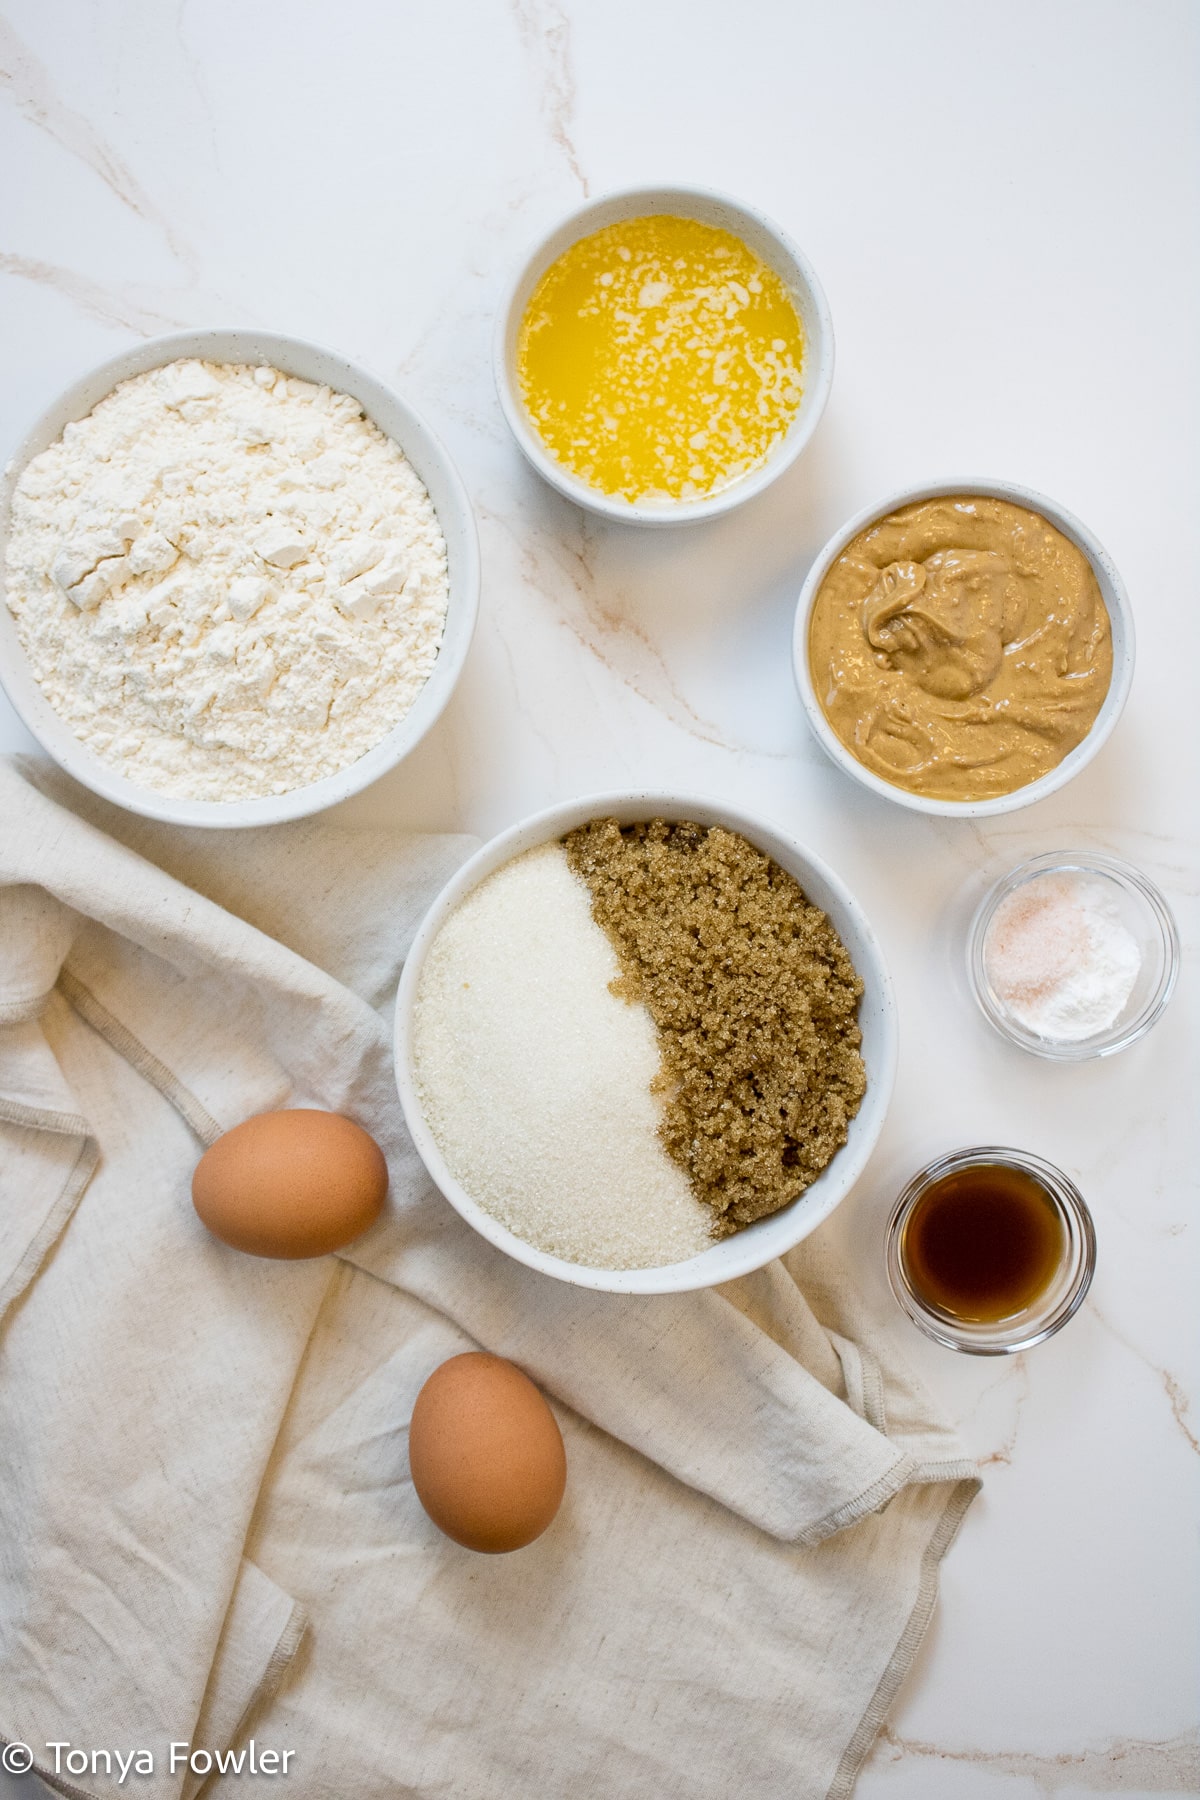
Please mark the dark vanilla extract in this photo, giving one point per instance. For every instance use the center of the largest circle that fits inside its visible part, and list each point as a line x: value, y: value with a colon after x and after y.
x: 983, y: 1243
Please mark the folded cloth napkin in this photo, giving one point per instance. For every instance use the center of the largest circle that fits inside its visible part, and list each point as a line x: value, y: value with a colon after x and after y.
x: 207, y: 1528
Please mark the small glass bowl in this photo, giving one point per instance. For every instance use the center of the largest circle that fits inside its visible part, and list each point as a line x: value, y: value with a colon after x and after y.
x: 1144, y: 913
x: 1061, y: 1299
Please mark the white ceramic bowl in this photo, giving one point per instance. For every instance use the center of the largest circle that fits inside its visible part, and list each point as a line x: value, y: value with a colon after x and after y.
x: 1112, y: 589
x: 768, y: 242
x: 768, y: 1238
x: 308, y: 362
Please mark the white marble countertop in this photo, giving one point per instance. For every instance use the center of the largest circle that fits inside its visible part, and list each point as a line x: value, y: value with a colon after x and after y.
x: 1001, y: 206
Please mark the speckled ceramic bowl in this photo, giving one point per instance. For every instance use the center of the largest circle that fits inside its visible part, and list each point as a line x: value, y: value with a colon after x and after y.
x: 1112, y: 588
x: 767, y: 1238
x: 308, y: 362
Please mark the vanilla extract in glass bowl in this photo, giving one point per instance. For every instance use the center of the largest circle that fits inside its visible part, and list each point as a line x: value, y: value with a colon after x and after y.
x: 990, y: 1250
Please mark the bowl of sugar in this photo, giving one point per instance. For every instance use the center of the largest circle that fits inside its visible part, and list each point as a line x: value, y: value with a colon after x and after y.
x: 242, y: 577
x: 645, y: 1042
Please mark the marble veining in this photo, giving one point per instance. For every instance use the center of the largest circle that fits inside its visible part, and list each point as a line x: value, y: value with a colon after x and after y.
x: 1013, y: 1386
x: 98, y: 301
x: 545, y: 32
x: 562, y: 571
x: 31, y: 90
x: 1178, y: 1399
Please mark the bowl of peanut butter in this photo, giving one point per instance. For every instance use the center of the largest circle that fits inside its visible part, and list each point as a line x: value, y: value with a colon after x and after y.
x: 963, y: 648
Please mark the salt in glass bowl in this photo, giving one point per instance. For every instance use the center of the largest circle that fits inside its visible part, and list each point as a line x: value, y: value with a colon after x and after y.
x: 1052, y: 1309
x: 1143, y: 912
x: 761, y: 235
x: 755, y: 1245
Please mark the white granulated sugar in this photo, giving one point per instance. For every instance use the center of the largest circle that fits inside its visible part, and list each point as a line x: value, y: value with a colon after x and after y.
x: 1059, y: 957
x: 228, y: 583
x: 535, y: 1078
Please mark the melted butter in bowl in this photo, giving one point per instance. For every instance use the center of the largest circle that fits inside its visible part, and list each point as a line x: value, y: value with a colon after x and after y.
x: 663, y: 355
x: 659, y: 358
x: 960, y: 647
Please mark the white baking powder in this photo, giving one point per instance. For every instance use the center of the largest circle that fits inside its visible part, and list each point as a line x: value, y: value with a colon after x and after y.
x: 228, y: 582
x: 1059, y: 958
x: 535, y: 1078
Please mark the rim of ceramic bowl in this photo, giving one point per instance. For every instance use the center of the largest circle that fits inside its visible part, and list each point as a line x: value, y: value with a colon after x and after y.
x: 1119, y: 1036
x: 1116, y: 601
x: 307, y: 361
x: 757, y: 1244
x: 1062, y: 1300
x: 710, y: 207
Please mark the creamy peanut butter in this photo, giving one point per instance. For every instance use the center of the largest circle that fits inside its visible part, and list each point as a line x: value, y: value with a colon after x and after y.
x: 960, y: 647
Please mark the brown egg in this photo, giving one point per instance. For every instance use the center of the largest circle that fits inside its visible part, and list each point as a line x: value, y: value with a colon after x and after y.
x: 486, y: 1454
x: 291, y: 1184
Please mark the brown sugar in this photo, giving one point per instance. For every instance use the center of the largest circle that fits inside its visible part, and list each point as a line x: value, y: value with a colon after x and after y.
x: 755, y: 1001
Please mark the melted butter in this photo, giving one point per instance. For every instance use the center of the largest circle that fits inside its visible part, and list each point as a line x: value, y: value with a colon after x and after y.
x: 659, y: 358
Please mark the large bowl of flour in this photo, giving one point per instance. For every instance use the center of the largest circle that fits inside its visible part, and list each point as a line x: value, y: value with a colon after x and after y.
x: 550, y: 1075
x: 246, y: 576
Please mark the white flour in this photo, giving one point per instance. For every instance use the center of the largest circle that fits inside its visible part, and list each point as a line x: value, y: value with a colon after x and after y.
x: 228, y: 583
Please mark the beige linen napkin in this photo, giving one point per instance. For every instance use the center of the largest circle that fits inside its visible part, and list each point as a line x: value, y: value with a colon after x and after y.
x: 207, y: 1528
